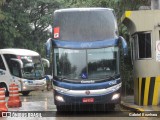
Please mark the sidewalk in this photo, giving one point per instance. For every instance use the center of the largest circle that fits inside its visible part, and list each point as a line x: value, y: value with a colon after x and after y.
x: 128, y: 103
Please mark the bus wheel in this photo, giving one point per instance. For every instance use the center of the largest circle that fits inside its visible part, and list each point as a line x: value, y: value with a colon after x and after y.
x: 25, y: 93
x: 3, y: 85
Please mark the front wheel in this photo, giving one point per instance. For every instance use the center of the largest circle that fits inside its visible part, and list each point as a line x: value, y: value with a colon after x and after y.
x: 25, y: 93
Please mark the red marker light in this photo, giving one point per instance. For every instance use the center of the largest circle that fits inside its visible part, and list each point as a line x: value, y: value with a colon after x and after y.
x: 56, y: 32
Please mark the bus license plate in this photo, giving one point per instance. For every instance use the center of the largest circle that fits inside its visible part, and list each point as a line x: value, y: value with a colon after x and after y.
x: 88, y: 100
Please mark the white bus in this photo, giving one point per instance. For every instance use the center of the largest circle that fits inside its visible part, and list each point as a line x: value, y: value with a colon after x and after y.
x: 24, y: 67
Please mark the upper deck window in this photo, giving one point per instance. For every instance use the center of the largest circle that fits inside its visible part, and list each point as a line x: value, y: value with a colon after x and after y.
x: 91, y: 25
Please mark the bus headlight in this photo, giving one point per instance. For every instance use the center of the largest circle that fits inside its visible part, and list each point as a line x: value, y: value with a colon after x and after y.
x: 24, y: 88
x: 59, y: 98
x: 115, y: 96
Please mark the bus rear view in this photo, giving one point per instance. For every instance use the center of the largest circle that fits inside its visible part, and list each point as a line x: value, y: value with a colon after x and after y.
x: 86, y: 58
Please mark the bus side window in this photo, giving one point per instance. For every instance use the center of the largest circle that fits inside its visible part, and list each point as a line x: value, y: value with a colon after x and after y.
x: 2, y: 64
x: 15, y: 69
x: 13, y: 66
x: 8, y: 60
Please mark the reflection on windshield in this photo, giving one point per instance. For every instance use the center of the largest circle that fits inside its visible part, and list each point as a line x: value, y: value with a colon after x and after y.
x: 102, y: 62
x: 32, y: 67
x: 86, y: 64
x: 68, y: 64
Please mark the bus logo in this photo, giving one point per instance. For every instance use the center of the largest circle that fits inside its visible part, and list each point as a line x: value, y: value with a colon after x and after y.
x: 87, y: 92
x: 86, y: 45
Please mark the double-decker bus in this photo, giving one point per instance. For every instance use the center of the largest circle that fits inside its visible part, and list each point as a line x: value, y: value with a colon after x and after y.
x: 24, y: 67
x: 86, y: 53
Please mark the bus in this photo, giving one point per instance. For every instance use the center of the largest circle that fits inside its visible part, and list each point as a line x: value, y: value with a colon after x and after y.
x: 85, y: 54
x: 24, y: 67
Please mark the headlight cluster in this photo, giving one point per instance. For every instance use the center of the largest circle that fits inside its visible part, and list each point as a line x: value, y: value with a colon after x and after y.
x: 59, y: 89
x: 114, y: 88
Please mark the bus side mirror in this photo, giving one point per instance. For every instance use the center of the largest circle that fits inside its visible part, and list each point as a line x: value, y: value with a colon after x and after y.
x: 45, y: 62
x: 19, y: 61
x: 48, y: 45
x: 124, y: 45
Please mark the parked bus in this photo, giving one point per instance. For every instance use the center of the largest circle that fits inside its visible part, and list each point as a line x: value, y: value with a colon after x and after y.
x: 85, y: 50
x: 24, y: 67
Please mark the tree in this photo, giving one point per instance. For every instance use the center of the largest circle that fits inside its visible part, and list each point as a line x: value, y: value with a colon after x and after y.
x: 26, y: 22
x: 1, y: 13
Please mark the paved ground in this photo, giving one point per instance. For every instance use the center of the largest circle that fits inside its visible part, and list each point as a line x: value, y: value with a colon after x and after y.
x: 41, y: 104
x: 128, y: 101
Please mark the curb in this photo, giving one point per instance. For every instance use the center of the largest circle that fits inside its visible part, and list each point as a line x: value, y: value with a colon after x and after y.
x: 131, y: 107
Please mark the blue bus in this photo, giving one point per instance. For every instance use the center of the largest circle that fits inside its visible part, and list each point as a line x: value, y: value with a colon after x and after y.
x: 85, y: 52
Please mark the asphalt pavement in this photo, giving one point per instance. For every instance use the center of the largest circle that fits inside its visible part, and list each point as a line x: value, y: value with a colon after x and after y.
x: 40, y: 105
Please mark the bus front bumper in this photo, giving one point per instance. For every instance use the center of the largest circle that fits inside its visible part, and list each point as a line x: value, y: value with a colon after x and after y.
x: 34, y: 85
x: 88, y: 97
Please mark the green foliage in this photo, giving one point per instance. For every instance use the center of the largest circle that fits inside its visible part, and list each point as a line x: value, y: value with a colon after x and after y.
x: 26, y: 22
x: 1, y: 13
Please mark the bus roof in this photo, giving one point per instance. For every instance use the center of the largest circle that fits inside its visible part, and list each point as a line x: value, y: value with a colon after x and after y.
x: 16, y: 51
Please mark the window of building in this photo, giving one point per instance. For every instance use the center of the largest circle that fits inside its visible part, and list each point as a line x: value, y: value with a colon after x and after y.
x: 142, y: 45
x: 133, y: 47
x: 2, y: 64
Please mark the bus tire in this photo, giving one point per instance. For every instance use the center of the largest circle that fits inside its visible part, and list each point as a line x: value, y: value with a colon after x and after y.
x: 25, y: 93
x: 3, y: 85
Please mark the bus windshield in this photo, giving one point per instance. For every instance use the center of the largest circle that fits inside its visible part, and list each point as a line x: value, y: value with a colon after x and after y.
x: 32, y: 67
x: 86, y: 64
